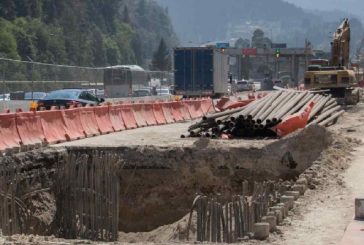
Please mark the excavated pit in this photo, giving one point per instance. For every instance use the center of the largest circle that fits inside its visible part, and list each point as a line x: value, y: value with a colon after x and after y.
x: 159, y: 182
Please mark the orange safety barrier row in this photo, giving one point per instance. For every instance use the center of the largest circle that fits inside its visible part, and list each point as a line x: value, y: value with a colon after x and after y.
x: 55, y: 126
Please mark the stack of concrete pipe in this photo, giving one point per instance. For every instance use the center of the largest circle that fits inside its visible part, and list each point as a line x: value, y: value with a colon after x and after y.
x: 259, y: 117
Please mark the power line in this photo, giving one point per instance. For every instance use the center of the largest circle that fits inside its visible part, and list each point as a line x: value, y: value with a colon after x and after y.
x: 48, y: 64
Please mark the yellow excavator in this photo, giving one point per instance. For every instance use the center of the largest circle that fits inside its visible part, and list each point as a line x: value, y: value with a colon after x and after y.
x: 336, y: 78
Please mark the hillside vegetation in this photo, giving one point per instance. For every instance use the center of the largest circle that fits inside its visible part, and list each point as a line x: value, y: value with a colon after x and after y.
x: 85, y: 33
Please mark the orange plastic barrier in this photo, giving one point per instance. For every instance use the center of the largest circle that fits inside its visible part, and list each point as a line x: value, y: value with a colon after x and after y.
x: 88, y: 121
x: 139, y: 115
x: 128, y: 116
x: 207, y: 106
x: 236, y: 104
x: 194, y: 107
x: 116, y: 118
x: 158, y: 113
x: 184, y: 111
x: 149, y: 114
x: 222, y: 102
x: 72, y: 119
x: 103, y: 119
x: 251, y: 96
x: 294, y: 122
x: 9, y: 136
x: 176, y: 111
x: 54, y: 126
x: 29, y: 128
x: 167, y: 110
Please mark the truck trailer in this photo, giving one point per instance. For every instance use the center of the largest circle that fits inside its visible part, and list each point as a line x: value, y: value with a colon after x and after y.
x: 201, y: 71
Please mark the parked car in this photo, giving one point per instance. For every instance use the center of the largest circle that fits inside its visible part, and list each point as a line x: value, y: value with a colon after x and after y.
x: 36, y: 95
x: 243, y: 85
x: 100, y: 93
x: 279, y: 83
x: 163, y: 91
x: 68, y: 97
x: 4, y: 97
x: 142, y: 93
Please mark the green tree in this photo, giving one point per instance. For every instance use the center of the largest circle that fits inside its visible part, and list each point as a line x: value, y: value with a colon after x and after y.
x: 8, y: 45
x: 161, y: 58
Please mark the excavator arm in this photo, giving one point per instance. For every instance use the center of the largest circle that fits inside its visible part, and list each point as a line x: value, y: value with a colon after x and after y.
x: 340, y: 45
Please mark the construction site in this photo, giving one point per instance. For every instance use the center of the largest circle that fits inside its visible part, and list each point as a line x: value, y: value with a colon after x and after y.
x: 151, y: 185
x: 282, y: 165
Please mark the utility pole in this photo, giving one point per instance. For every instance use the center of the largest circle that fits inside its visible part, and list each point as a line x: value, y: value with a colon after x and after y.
x: 3, y: 76
x: 32, y: 78
x: 4, y: 84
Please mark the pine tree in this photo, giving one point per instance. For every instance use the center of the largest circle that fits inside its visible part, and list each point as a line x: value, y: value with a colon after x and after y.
x: 161, y: 58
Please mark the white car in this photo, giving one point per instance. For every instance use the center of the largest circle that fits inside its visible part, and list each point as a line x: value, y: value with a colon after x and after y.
x: 5, y: 97
x: 163, y: 91
x: 243, y: 85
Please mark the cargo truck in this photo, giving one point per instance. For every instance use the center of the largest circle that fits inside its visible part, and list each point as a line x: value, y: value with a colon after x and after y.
x: 201, y: 71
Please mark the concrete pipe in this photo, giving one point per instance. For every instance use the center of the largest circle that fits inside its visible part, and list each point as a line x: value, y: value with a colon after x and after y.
x: 307, y: 98
x: 282, y: 104
x: 325, y: 115
x: 332, y: 118
x: 259, y: 107
x: 329, y: 107
x: 289, y: 105
x: 273, y: 106
x: 268, y: 104
x: 317, y: 108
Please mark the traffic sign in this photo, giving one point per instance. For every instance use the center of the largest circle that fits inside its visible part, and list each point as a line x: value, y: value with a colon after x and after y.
x: 222, y: 45
x: 249, y: 51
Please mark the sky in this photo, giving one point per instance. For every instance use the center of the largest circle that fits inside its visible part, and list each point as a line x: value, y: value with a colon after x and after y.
x: 355, y: 7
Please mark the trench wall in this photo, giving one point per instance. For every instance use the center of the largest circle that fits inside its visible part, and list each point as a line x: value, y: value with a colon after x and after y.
x: 158, y: 184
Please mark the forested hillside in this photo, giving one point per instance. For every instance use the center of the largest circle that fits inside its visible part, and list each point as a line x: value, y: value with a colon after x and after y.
x: 86, y: 33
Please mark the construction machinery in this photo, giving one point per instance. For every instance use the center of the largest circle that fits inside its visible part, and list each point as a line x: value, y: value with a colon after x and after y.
x: 337, y: 79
